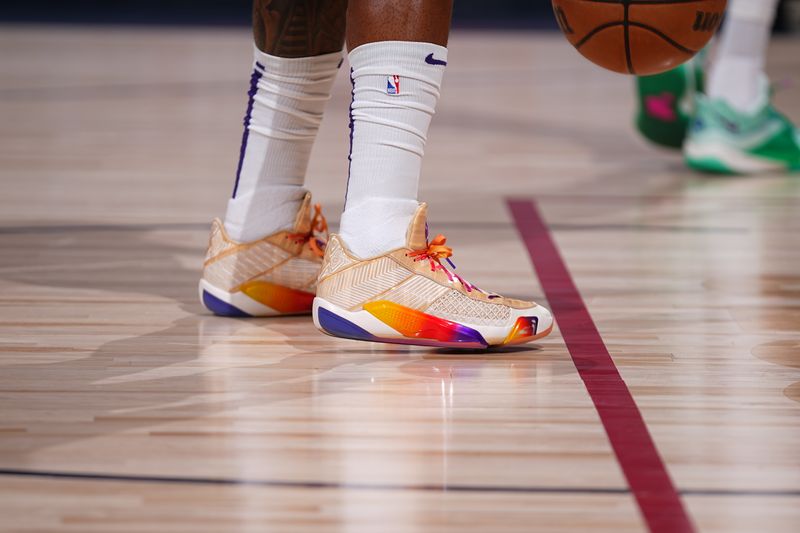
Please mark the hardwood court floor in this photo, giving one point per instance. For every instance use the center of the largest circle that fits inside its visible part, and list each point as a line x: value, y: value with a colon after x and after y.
x: 125, y: 407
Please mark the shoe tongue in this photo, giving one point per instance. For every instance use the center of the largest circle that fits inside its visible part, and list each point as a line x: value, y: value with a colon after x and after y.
x: 417, y: 234
x: 302, y: 222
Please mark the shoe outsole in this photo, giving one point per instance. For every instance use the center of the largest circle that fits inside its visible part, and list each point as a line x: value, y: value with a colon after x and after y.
x: 719, y: 158
x: 219, y: 307
x: 430, y: 330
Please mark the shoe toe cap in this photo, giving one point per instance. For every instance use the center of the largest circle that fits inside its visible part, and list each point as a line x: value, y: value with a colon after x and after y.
x: 544, y: 316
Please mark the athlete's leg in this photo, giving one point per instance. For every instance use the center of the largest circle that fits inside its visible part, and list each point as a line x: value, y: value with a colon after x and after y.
x: 382, y: 280
x: 265, y: 258
x: 299, y: 28
x: 735, y: 76
x: 426, y: 21
x: 398, y: 58
x: 737, y: 73
x: 298, y: 46
x: 666, y: 102
x: 735, y: 128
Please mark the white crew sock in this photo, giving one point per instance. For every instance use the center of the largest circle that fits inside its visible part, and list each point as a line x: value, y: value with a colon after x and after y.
x: 287, y: 100
x: 737, y: 72
x: 395, y: 90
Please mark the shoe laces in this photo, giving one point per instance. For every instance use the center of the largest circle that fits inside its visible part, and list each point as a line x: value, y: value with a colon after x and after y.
x: 316, y: 238
x: 437, y: 250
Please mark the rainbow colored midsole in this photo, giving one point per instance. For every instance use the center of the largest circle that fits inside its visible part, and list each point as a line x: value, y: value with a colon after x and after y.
x: 415, y: 324
x: 255, y: 299
x: 386, y: 321
x: 283, y: 299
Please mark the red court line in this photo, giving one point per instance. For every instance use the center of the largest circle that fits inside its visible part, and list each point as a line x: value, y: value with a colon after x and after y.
x: 636, y: 452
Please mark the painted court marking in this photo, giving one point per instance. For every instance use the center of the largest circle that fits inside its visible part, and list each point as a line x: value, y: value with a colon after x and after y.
x: 388, y: 487
x: 627, y: 432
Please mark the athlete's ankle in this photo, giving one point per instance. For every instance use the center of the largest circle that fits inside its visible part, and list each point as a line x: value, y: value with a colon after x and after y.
x: 377, y: 226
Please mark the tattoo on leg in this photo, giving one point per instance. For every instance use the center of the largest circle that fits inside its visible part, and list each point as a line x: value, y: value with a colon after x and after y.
x: 299, y: 28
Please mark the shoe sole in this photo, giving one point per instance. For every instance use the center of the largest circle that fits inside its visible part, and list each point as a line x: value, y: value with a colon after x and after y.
x: 409, y: 326
x: 241, y: 304
x: 718, y: 158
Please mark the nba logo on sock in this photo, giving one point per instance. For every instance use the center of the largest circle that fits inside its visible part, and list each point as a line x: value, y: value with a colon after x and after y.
x: 393, y: 85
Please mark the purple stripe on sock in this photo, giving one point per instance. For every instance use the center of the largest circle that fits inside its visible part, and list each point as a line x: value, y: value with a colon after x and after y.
x: 352, y: 125
x: 257, y: 74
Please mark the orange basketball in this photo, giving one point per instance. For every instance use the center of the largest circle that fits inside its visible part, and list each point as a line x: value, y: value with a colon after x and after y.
x: 639, y: 36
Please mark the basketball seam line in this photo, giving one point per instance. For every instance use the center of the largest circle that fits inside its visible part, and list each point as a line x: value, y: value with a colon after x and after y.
x: 647, y: 27
x: 595, y: 31
x: 626, y: 28
x: 664, y: 36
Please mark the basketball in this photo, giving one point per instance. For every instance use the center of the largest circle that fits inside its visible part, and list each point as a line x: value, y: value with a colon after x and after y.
x: 640, y: 37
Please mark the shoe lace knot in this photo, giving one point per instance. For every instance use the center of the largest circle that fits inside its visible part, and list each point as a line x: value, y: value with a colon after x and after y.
x: 316, y: 238
x: 437, y: 250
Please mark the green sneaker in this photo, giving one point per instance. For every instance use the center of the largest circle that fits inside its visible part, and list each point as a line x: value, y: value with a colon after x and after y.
x: 725, y: 141
x: 666, y: 102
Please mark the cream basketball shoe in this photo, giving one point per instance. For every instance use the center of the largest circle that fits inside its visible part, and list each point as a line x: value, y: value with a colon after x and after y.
x: 276, y: 275
x: 408, y: 296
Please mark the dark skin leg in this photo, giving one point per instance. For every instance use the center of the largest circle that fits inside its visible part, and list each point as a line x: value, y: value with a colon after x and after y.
x: 299, y: 28
x: 427, y: 21
x: 303, y: 28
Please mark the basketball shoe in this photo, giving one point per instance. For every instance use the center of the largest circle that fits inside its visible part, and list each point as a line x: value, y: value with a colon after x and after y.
x: 408, y: 296
x: 724, y: 140
x: 666, y: 102
x: 276, y: 275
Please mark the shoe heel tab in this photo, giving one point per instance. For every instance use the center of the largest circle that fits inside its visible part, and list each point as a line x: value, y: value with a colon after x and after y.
x: 417, y: 232
x: 218, y: 232
x: 218, y: 240
x: 302, y: 222
x: 336, y: 242
x: 337, y: 257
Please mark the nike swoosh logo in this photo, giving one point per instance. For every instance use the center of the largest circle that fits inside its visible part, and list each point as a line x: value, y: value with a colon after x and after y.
x: 429, y: 59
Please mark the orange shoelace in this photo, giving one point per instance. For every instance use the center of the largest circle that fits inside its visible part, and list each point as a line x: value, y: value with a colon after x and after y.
x: 436, y: 251
x: 317, y: 236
